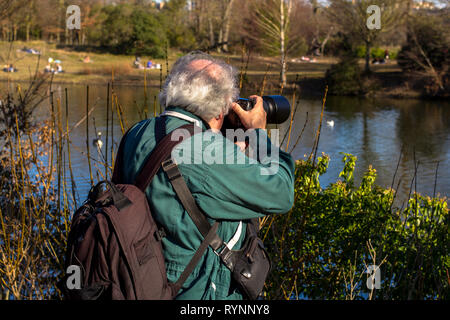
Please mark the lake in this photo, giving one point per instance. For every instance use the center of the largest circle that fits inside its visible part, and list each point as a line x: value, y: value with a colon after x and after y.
x: 373, y: 130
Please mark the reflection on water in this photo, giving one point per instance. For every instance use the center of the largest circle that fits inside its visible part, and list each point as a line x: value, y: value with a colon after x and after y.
x: 373, y: 130
x: 376, y: 131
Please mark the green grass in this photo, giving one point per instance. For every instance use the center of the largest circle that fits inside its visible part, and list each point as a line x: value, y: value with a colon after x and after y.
x: 260, y: 71
x: 99, y: 71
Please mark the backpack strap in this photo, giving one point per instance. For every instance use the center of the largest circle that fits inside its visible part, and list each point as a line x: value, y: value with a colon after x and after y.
x: 158, y: 158
x: 164, y: 146
x: 212, y: 234
x: 158, y: 155
x: 188, y: 201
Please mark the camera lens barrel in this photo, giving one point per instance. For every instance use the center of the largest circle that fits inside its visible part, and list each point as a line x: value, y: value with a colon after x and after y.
x: 278, y: 108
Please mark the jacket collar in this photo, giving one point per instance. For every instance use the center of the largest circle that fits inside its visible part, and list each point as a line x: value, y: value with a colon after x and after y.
x: 205, y: 125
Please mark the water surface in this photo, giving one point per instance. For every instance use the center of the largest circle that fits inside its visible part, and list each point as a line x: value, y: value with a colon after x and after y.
x: 373, y: 130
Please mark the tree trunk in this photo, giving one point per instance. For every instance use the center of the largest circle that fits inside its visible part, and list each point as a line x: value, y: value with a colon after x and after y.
x: 284, y: 21
x: 27, y: 31
x: 15, y: 28
x: 220, y: 40
x: 226, y: 25
x: 324, y: 42
x: 367, y: 68
x: 211, y: 32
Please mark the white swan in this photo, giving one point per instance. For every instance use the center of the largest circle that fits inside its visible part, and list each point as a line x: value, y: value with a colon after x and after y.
x: 330, y: 123
x: 98, y: 142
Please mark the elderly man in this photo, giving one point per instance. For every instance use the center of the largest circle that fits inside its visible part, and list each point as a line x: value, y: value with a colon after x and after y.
x: 202, y: 90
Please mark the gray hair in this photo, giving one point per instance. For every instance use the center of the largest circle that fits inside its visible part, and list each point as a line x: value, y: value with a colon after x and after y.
x: 198, y: 91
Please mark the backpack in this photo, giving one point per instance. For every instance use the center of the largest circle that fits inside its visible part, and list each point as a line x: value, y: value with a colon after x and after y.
x: 115, y: 244
x: 114, y: 249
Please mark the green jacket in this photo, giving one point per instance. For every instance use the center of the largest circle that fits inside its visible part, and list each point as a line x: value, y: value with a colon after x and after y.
x: 226, y: 192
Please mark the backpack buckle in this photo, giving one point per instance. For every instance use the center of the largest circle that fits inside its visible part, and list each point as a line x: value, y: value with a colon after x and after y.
x: 160, y: 234
x: 171, y: 169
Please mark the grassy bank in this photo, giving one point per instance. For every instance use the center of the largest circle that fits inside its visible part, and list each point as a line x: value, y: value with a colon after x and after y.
x: 102, y: 65
x: 258, y: 72
x: 100, y: 70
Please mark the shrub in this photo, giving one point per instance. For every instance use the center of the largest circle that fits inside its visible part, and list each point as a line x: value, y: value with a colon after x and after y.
x: 344, y: 78
x: 128, y: 29
x: 428, y: 35
x: 323, y: 246
x: 426, y: 53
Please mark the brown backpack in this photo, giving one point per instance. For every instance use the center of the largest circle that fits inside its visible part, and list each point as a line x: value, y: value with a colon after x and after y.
x: 115, y: 244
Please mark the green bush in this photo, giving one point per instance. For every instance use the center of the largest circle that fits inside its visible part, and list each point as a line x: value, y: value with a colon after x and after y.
x: 128, y: 29
x: 360, y: 51
x: 377, y: 52
x: 322, y: 247
x: 426, y: 36
x: 179, y: 34
x: 393, y: 55
x: 344, y: 78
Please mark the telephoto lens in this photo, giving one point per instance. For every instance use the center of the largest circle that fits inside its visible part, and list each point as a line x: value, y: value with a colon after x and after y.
x: 278, y: 108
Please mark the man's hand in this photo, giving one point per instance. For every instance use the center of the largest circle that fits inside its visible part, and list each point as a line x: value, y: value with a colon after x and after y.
x: 255, y: 118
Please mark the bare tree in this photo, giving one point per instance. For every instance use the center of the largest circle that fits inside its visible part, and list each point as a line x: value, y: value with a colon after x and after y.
x: 225, y: 25
x: 5, y: 7
x: 323, y: 29
x: 350, y: 17
x: 273, y: 18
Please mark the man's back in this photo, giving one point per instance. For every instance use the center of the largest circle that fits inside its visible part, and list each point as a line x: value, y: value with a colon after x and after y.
x: 226, y: 192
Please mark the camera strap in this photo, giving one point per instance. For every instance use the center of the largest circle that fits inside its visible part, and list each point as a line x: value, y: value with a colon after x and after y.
x: 209, y: 232
x: 188, y: 201
x: 181, y: 116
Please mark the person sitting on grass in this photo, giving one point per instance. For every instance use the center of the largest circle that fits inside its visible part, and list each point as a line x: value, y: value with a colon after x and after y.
x: 9, y: 68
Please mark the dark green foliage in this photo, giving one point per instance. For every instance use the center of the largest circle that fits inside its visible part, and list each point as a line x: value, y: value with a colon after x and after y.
x: 148, y: 35
x: 128, y: 29
x: 321, y: 249
x: 427, y: 34
x: 174, y: 19
x: 344, y: 78
x: 375, y: 53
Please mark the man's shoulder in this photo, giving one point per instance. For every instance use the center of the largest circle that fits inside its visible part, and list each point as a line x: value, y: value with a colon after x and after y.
x: 141, y: 127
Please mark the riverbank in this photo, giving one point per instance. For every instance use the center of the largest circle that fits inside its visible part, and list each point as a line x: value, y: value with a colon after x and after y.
x: 260, y: 73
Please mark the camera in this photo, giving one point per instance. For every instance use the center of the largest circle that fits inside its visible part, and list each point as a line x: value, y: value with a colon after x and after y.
x: 278, y: 110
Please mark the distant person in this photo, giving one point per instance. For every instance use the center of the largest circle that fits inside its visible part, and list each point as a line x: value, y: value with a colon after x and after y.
x: 149, y: 64
x: 48, y: 68
x: 303, y: 58
x: 378, y: 61
x: 137, y: 63
x: 10, y: 68
x: 386, y: 54
x: 59, y: 68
